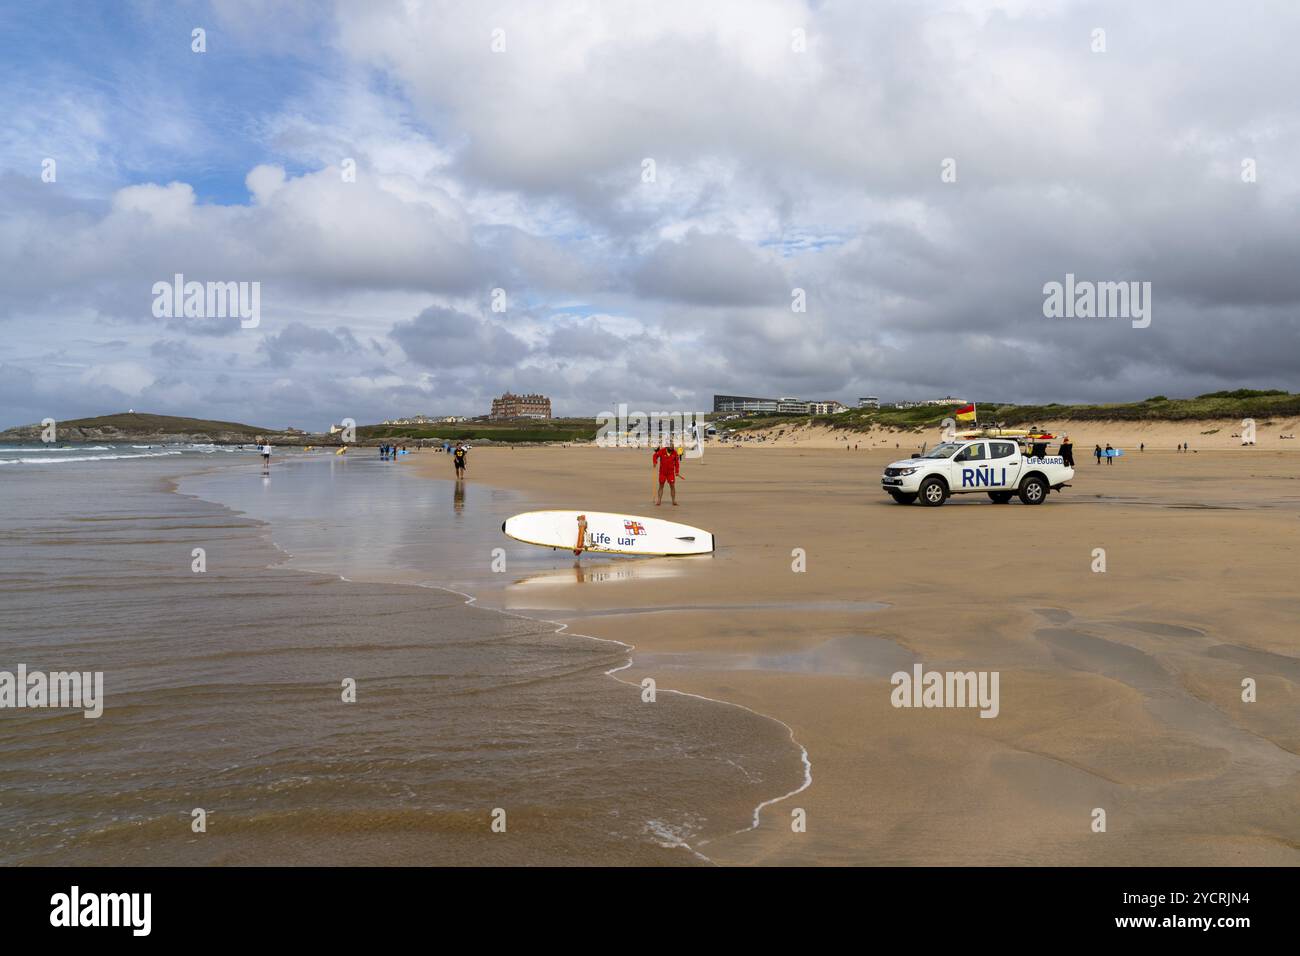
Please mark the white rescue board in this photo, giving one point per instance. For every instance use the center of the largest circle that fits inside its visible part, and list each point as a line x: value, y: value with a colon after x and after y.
x: 609, y: 532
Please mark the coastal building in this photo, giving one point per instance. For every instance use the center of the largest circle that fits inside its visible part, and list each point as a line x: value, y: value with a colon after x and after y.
x: 927, y: 402
x: 869, y: 401
x: 830, y: 407
x: 510, y: 405
x: 745, y: 405
x: 426, y: 420
x: 748, y: 405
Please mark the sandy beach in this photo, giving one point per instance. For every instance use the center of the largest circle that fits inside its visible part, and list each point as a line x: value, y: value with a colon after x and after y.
x: 1213, y: 435
x: 1119, y: 691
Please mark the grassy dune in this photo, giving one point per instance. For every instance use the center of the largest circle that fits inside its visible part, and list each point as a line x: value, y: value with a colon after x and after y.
x: 539, y: 430
x: 1260, y: 404
x: 144, y: 423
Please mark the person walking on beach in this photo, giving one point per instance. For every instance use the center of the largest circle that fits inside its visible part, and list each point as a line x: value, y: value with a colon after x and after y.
x: 669, y: 463
x: 1142, y: 446
x: 1067, y: 452
x: 459, y: 456
x: 266, y: 457
x: 1110, y: 454
x: 1097, y: 452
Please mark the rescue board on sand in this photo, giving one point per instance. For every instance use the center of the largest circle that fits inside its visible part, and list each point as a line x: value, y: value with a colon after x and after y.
x: 609, y: 532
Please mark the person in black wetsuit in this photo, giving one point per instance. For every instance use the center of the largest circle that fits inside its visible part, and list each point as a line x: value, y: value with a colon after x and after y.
x: 1067, y: 451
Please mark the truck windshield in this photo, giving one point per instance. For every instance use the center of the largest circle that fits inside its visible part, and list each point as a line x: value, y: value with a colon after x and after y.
x: 946, y: 450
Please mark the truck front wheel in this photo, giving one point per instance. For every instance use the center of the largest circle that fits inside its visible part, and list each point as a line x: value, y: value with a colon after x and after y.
x: 1033, y: 490
x: 933, y: 492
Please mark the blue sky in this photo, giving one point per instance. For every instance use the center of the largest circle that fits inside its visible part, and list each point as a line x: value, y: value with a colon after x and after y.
x: 169, y: 113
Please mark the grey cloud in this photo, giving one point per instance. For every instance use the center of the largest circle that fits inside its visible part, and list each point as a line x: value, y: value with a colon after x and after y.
x: 298, y: 339
x: 588, y: 339
x: 441, y: 337
x: 709, y: 270
x: 174, y: 352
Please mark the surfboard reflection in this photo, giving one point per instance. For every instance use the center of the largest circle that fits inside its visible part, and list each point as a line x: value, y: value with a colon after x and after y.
x: 603, y: 573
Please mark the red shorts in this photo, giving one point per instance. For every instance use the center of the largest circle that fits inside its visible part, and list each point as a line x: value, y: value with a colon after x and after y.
x: 668, y: 476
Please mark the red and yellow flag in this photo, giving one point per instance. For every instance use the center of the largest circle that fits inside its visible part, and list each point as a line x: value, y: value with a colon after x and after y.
x: 966, y: 413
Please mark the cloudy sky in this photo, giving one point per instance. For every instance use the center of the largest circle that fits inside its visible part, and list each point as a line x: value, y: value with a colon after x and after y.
x: 647, y: 184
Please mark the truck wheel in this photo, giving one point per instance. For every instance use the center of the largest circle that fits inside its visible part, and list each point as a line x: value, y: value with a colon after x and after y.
x: 903, y: 497
x: 1033, y: 490
x: 1000, y: 497
x: 933, y: 492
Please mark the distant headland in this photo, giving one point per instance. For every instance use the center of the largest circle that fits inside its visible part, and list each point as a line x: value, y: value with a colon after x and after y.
x: 1234, y: 405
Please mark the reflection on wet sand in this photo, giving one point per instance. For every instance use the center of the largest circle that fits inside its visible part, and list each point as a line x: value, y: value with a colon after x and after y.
x: 579, y: 573
x: 736, y: 608
x: 853, y: 655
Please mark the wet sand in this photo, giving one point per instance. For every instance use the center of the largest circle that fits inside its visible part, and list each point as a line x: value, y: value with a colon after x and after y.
x: 1119, y: 690
x: 223, y: 690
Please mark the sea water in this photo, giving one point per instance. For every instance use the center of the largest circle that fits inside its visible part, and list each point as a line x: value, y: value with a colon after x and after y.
x: 285, y: 683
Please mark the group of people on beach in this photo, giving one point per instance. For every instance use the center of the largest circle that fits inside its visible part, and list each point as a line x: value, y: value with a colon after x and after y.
x: 390, y: 452
x: 1108, y: 453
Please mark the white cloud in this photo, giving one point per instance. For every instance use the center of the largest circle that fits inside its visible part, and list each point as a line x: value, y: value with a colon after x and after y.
x: 126, y: 377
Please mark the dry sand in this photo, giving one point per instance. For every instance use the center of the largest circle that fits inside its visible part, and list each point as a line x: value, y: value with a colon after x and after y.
x: 1118, y: 690
x: 1156, y: 435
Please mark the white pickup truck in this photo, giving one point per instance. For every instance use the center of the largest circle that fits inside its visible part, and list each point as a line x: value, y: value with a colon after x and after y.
x: 996, y: 466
